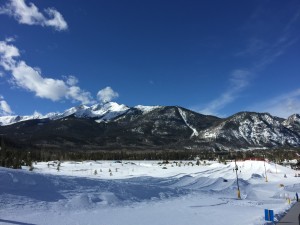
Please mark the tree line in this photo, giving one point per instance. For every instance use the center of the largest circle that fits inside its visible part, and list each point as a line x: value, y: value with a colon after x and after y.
x: 15, y: 158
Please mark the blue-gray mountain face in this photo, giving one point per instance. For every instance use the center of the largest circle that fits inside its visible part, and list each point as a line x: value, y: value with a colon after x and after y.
x: 112, y: 126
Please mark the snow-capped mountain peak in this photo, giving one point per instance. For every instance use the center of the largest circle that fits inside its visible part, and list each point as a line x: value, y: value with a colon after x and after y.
x: 292, y: 122
x: 250, y: 128
x: 7, y: 120
x: 147, y: 109
x: 295, y: 118
x: 109, y: 106
x: 101, y: 112
x: 156, y: 126
x: 108, y: 111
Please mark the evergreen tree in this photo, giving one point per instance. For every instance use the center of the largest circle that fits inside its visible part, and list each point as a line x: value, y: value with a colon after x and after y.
x: 31, y: 167
x: 2, y: 153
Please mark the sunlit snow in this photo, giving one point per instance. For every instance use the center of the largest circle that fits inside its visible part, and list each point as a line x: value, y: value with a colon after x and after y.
x: 144, y: 192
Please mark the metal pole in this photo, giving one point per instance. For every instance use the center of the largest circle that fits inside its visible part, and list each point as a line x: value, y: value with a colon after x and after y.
x: 237, y: 180
x: 265, y: 170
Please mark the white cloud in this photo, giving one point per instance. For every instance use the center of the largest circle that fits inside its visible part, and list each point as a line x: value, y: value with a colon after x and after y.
x: 239, y: 79
x: 31, y: 79
x: 71, y: 80
x: 4, y: 107
x: 30, y: 15
x: 75, y: 93
x: 282, y: 106
x: 56, y: 21
x: 107, y: 94
x: 8, y: 51
x: 10, y: 39
x: 37, y: 114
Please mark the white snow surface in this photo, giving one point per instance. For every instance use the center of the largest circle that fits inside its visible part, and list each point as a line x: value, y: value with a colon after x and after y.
x: 183, y: 115
x: 147, y: 109
x: 144, y: 192
x: 7, y: 120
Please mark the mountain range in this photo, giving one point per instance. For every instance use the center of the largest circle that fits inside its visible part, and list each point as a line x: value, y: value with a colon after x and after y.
x: 113, y: 126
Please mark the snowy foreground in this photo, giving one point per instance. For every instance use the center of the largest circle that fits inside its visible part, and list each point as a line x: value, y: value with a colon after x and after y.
x: 144, y: 193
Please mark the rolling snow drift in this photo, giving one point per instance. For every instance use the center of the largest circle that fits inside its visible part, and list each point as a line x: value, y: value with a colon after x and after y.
x: 144, y: 192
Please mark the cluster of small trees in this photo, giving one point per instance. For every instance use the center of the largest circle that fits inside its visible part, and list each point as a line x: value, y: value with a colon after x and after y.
x: 15, y: 158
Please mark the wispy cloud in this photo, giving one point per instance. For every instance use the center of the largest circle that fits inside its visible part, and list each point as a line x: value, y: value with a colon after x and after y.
x: 4, y: 107
x: 289, y: 103
x: 71, y: 80
x: 265, y: 48
x: 10, y: 39
x: 273, y: 52
x: 107, y: 94
x: 30, y: 15
x: 253, y: 47
x: 31, y: 79
x: 238, y: 81
x: 283, y: 105
x: 262, y: 52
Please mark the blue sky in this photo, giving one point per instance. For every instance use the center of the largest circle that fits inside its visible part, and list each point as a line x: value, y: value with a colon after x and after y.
x: 215, y: 57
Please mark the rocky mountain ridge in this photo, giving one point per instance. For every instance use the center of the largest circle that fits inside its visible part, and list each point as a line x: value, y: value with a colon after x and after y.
x: 112, y: 126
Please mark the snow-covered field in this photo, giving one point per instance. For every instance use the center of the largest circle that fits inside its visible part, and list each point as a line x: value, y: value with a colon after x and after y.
x: 144, y: 193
